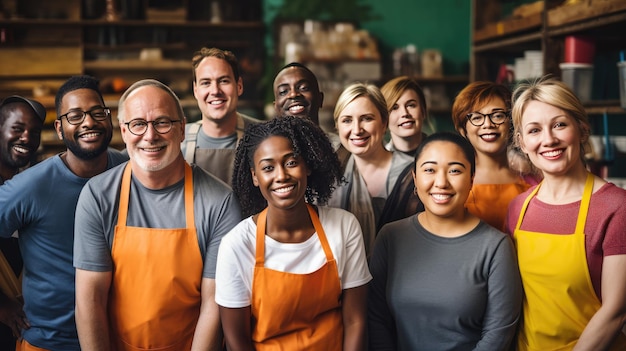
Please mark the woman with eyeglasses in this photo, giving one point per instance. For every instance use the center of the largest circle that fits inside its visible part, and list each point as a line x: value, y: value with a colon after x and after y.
x: 481, y: 113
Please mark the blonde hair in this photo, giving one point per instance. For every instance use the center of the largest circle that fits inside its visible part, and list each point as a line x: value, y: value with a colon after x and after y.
x: 556, y: 93
x: 357, y: 90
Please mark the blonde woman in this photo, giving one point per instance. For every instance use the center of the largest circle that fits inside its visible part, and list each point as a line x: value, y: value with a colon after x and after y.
x: 569, y: 231
x: 371, y: 171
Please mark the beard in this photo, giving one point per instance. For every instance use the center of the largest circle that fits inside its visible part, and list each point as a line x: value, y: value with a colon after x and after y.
x: 87, y: 154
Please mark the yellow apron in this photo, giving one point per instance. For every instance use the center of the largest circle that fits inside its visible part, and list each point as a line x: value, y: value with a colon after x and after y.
x: 559, y: 296
x: 154, y: 302
x: 296, y: 311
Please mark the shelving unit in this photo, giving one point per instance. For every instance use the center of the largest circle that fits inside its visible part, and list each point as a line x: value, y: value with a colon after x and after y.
x: 42, y: 43
x: 497, y: 40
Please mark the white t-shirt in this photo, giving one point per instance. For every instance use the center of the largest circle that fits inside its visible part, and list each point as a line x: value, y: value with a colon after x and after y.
x: 236, y: 257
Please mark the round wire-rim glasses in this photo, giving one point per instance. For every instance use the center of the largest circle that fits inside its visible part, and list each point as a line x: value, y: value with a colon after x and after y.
x: 140, y: 126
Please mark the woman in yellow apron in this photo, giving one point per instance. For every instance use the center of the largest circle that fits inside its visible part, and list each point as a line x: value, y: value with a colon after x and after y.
x: 291, y: 276
x: 569, y: 231
x: 481, y: 113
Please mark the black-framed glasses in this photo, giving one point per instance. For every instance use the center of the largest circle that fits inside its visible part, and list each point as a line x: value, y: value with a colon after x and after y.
x: 140, y: 126
x: 78, y: 116
x: 478, y: 119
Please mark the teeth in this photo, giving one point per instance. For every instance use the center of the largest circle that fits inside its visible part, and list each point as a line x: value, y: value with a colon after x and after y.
x: 154, y: 149
x: 296, y: 109
x: 552, y: 153
x: 21, y: 149
x: 489, y: 137
x: 90, y: 135
x: 407, y: 124
x: 284, y: 190
x: 215, y: 102
x: 441, y: 196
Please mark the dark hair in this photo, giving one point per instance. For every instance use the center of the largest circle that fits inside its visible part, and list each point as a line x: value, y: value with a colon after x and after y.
x: 225, y: 55
x: 308, y: 141
x: 75, y: 83
x: 455, y: 138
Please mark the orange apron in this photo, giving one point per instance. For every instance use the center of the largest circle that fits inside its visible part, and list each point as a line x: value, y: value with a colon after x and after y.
x: 296, y: 311
x: 559, y: 296
x: 490, y: 202
x: 154, y: 301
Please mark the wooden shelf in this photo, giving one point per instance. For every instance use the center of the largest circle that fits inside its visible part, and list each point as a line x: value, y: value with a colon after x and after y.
x: 508, y: 27
x: 134, y: 65
x: 589, y: 11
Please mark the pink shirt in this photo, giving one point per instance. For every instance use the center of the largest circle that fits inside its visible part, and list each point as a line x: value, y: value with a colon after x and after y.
x: 605, y: 228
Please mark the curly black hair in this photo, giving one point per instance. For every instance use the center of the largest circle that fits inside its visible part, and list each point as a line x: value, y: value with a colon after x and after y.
x: 308, y: 141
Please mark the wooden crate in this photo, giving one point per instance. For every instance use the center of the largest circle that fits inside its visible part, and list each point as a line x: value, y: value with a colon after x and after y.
x: 38, y: 61
x: 508, y: 27
x: 582, y: 10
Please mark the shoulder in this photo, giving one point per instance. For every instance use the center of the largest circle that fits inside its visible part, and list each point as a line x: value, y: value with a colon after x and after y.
x: 116, y: 157
x: 241, y: 235
x: 394, y: 229
x: 246, y: 119
x: 610, y: 196
x: 401, y: 158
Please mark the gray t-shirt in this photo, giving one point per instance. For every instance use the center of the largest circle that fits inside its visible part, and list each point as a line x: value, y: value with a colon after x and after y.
x: 434, y: 293
x: 216, y: 212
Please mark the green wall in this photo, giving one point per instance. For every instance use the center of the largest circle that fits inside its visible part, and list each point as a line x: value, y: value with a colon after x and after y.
x: 442, y: 24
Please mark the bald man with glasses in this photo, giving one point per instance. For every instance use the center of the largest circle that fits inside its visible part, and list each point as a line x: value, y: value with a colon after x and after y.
x: 147, y: 236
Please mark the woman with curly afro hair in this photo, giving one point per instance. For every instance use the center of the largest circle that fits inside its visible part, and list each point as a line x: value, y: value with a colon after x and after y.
x: 292, y: 273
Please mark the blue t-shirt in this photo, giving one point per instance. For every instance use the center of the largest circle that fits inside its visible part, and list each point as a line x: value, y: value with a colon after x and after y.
x: 40, y: 202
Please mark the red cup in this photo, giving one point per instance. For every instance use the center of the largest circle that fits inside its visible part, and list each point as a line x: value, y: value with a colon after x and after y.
x: 579, y: 49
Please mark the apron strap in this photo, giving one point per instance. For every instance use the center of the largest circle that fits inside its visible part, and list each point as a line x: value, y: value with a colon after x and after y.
x: 124, y: 195
x: 320, y: 232
x: 584, y: 205
x: 191, y: 138
x: 189, y: 215
x: 260, y: 236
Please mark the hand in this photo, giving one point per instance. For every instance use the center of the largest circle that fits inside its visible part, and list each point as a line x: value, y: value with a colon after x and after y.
x: 12, y: 314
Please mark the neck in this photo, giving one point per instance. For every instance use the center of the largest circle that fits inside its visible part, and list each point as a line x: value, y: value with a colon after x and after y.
x: 563, y: 189
x: 455, y: 225
x: 377, y: 159
x: 291, y: 225
x: 85, y: 168
x: 169, y: 175
x: 493, y: 170
x: 406, y: 144
x: 220, y: 128
x: 7, y: 173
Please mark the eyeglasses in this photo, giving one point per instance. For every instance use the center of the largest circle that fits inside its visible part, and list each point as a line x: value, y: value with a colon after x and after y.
x: 140, y: 126
x: 76, y: 117
x: 497, y: 118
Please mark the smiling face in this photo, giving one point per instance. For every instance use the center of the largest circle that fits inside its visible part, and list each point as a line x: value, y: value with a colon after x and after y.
x: 551, y: 138
x: 90, y: 138
x: 152, y: 151
x: 405, y: 117
x: 20, y: 135
x: 296, y: 93
x: 361, y: 128
x: 280, y: 176
x: 216, y: 89
x: 489, y: 139
x: 443, y: 179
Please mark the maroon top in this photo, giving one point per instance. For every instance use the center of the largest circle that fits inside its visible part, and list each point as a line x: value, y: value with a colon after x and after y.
x: 605, y: 229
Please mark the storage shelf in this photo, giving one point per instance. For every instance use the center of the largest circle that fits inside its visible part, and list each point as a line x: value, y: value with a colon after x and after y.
x: 132, y: 65
x: 508, y: 27
x: 132, y: 23
x: 501, y: 44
